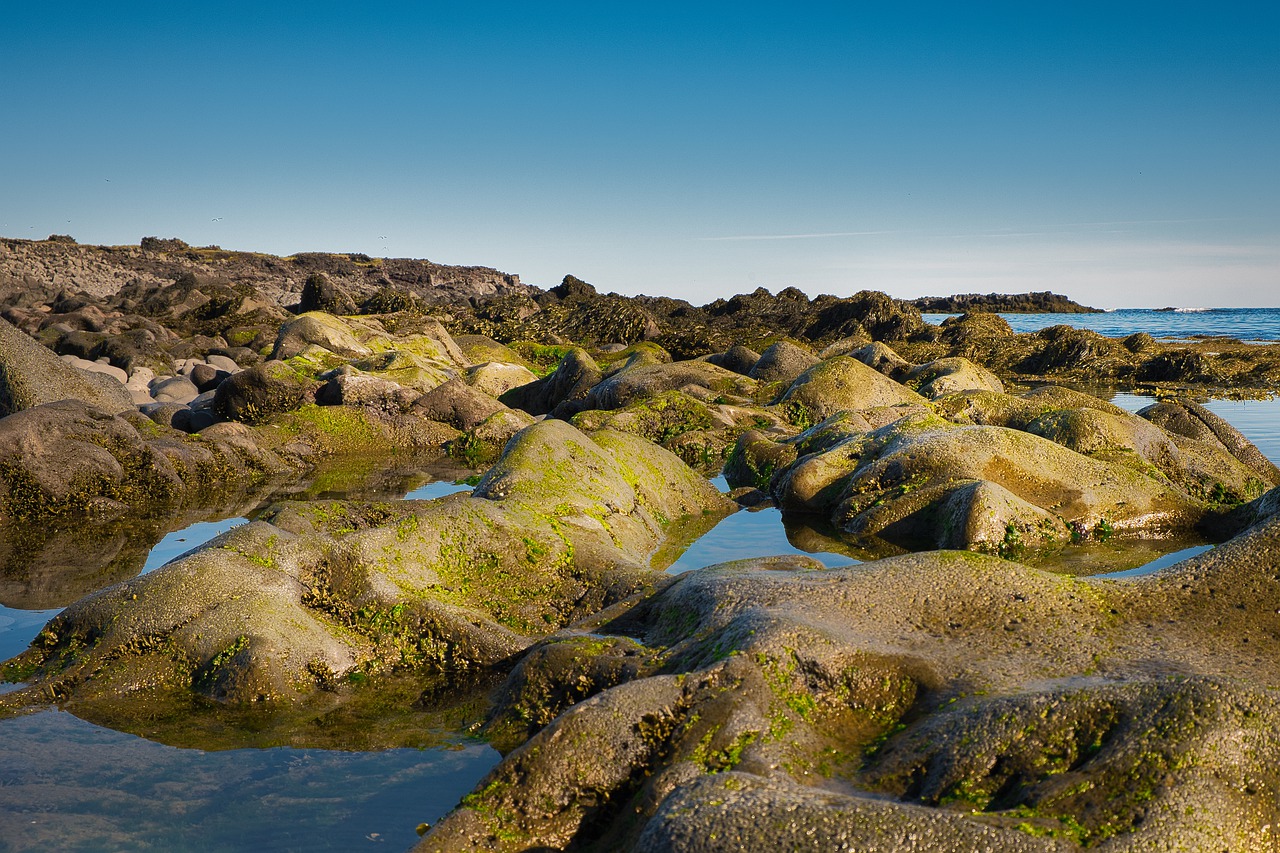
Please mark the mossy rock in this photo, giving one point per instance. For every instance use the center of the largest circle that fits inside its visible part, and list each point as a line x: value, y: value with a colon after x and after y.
x: 947, y: 685
x: 640, y: 380
x: 258, y: 393
x: 309, y: 595
x: 31, y: 375
x: 841, y: 384
x: 316, y: 328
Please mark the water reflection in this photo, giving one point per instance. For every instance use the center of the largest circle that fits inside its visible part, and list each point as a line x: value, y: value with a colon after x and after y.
x: 1161, y: 563
x: 72, y: 786
x: 758, y: 533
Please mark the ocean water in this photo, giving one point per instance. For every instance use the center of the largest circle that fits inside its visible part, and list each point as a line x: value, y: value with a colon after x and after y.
x: 1247, y: 324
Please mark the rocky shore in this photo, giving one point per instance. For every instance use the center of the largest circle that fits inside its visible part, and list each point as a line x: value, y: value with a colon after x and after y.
x: 959, y: 690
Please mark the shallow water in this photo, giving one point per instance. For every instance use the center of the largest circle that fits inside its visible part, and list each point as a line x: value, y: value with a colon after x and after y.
x: 750, y: 533
x: 179, y: 542
x: 436, y: 489
x: 69, y: 785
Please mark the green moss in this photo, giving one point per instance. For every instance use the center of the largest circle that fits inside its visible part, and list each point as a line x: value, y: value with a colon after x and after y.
x: 18, y: 669
x: 337, y: 428
x: 542, y: 358
x: 778, y: 675
x: 798, y: 413
x: 720, y: 760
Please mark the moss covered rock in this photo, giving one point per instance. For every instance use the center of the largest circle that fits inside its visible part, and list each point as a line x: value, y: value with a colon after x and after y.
x: 31, y: 375
x: 316, y: 328
x: 256, y: 394
x: 979, y: 704
x: 842, y: 384
x: 566, y: 386
x: 314, y: 593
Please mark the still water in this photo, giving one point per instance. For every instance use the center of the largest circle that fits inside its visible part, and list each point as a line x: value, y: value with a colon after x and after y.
x: 69, y: 785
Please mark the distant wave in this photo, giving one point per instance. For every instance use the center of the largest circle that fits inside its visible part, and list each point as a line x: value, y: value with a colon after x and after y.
x: 1193, y: 310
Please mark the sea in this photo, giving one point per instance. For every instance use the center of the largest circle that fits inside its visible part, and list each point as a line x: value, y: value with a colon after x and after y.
x: 1245, y: 324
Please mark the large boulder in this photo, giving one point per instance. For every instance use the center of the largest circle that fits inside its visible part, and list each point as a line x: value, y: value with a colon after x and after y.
x: 782, y: 362
x: 310, y: 594
x: 567, y: 385
x: 738, y: 358
x: 350, y: 387
x: 944, y: 376
x: 31, y: 375
x: 880, y: 357
x: 639, y: 381
x: 842, y: 384
x: 316, y: 328
x: 256, y: 394
x: 407, y: 368
x: 319, y: 293
x: 496, y: 378
x: 1001, y: 473
x: 458, y: 404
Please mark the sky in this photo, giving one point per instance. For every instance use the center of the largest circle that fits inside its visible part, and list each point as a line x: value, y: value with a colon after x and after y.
x: 1126, y: 154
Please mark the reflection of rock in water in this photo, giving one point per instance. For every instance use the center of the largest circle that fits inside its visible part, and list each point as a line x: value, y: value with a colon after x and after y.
x: 44, y: 566
x: 116, y: 791
x: 370, y: 477
x: 410, y: 710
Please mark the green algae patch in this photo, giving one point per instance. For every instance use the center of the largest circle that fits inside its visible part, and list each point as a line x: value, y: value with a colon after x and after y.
x: 335, y: 428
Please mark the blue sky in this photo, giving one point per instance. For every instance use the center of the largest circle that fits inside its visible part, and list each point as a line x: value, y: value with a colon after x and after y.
x: 1125, y: 154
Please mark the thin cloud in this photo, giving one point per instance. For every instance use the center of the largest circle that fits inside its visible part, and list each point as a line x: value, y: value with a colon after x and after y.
x: 816, y: 236
x: 1046, y: 230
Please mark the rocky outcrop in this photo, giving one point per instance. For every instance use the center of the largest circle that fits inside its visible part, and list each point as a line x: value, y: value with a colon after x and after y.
x: 559, y: 529
x: 69, y: 459
x: 999, y: 473
x: 31, y: 375
x: 1043, y: 302
x: 102, y: 271
x: 936, y: 697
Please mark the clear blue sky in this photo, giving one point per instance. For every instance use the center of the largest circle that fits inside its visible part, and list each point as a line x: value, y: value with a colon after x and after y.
x: 1125, y: 154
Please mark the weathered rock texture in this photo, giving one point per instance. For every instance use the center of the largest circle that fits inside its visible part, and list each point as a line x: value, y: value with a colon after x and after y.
x: 560, y: 528
x: 939, y: 701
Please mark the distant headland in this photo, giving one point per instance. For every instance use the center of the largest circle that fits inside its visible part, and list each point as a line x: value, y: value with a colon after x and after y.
x: 1043, y: 302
